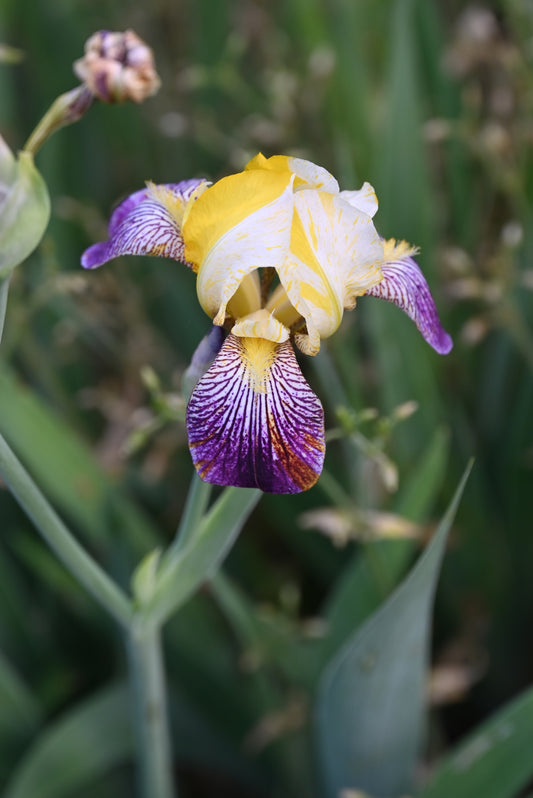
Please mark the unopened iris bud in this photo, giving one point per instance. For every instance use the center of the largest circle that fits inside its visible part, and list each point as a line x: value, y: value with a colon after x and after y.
x: 117, y: 67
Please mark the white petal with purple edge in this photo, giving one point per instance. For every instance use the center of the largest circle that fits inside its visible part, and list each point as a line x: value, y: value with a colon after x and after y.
x: 146, y: 223
x: 404, y: 284
x: 254, y: 422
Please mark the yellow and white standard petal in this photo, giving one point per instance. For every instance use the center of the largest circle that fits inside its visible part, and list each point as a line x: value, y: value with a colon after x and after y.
x: 364, y: 199
x: 314, y: 176
x: 335, y: 255
x: 240, y: 224
x: 308, y: 174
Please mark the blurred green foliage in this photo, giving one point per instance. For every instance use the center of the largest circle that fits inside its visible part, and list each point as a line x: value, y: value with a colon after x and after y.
x: 430, y: 101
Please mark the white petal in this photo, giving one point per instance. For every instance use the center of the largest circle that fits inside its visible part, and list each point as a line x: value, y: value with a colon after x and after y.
x: 335, y: 255
x: 261, y: 324
x: 364, y: 199
x: 315, y: 176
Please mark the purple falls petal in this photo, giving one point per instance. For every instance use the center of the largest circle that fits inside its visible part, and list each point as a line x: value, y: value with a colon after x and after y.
x: 404, y: 284
x: 254, y: 422
x: 141, y: 225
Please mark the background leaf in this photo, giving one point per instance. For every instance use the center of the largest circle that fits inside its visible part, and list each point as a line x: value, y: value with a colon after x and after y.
x: 20, y: 712
x: 77, y: 749
x: 69, y: 474
x: 372, y: 574
x: 494, y: 762
x: 371, y: 699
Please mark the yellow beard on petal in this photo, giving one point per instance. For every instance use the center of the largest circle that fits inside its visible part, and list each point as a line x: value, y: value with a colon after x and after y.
x: 173, y: 203
x: 257, y: 357
x: 397, y: 250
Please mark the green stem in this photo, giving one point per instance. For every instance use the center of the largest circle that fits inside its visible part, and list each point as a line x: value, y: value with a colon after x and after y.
x: 151, y: 720
x: 4, y: 290
x: 195, y: 507
x: 65, y: 110
x: 77, y: 561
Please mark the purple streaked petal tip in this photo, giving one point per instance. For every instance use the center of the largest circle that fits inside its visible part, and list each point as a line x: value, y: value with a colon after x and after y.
x: 141, y: 225
x: 404, y: 285
x: 253, y: 421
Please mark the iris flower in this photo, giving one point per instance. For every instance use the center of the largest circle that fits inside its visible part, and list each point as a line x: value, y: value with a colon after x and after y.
x: 279, y: 252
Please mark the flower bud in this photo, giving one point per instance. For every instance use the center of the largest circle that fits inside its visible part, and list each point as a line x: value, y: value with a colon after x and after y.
x: 117, y: 67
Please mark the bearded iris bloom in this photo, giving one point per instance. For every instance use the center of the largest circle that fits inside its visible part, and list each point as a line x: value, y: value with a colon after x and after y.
x: 279, y: 252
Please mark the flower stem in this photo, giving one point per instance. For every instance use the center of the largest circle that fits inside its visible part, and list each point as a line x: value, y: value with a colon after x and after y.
x: 195, y: 508
x: 67, y: 108
x: 77, y: 561
x: 151, y: 720
x: 4, y: 290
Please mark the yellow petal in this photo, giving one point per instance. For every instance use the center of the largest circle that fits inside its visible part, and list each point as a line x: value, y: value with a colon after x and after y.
x: 227, y: 203
x: 236, y: 226
x: 308, y: 174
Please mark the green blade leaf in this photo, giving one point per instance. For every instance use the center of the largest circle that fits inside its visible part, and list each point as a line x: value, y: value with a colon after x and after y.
x: 371, y: 698
x: 20, y: 712
x: 80, y: 564
x: 69, y: 475
x: 359, y: 591
x: 495, y: 761
x: 24, y: 209
x: 77, y: 749
x: 184, y: 569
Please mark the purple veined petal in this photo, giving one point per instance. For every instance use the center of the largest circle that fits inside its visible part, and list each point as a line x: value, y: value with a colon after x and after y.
x: 143, y: 225
x: 404, y: 284
x: 254, y: 422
